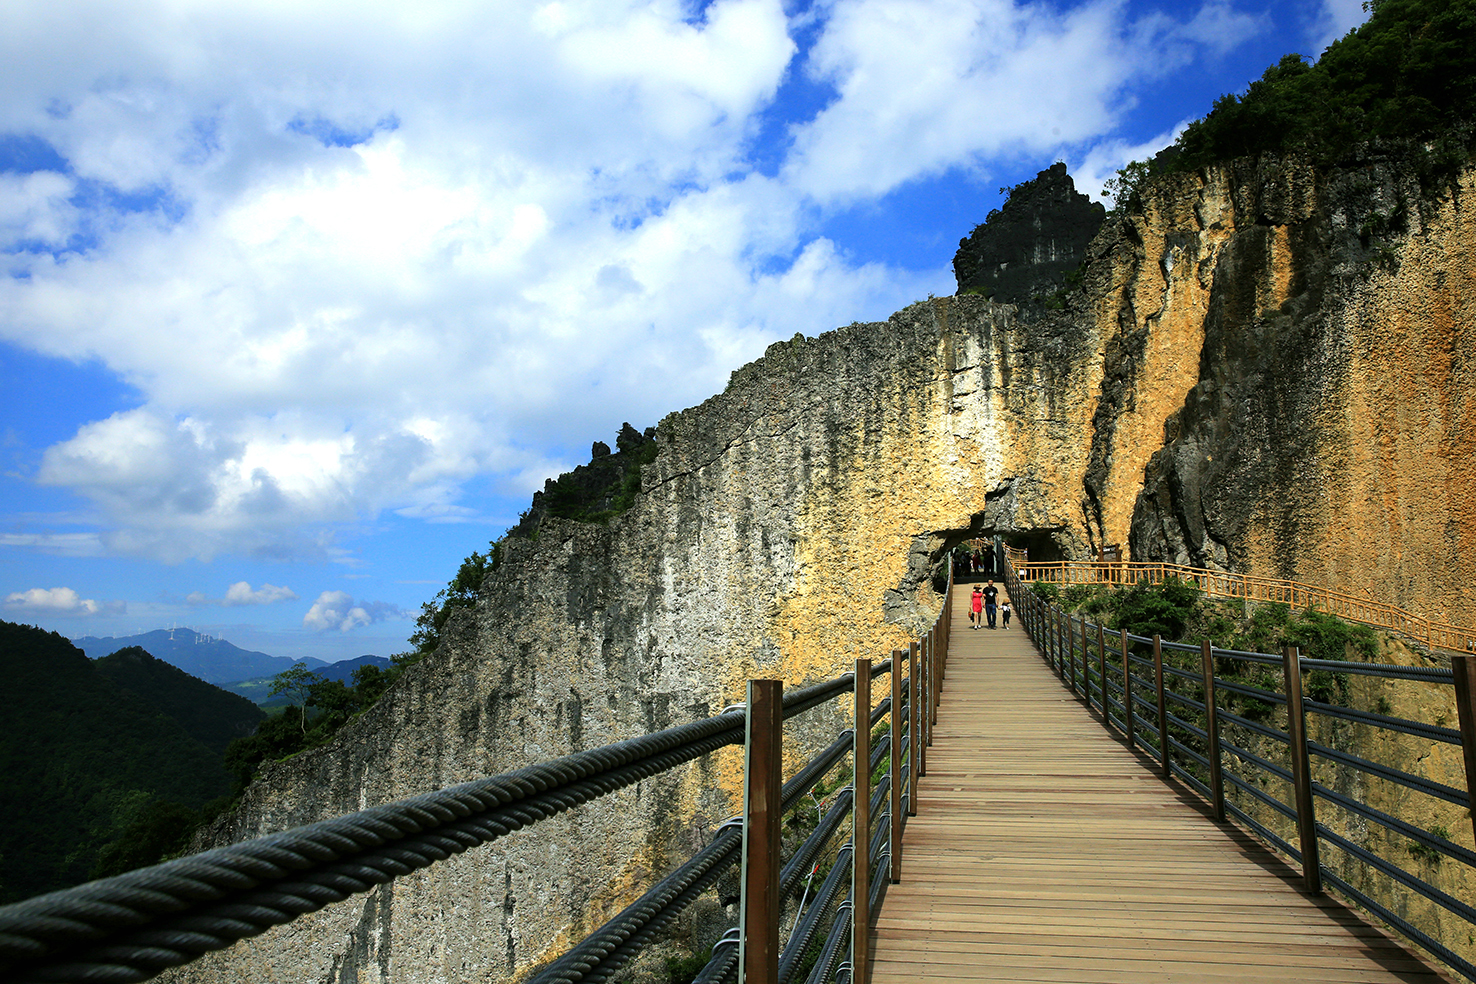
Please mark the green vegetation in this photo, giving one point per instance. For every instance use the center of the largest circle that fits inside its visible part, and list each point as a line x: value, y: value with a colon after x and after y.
x: 684, y: 970
x: 1407, y: 74
x: 95, y: 775
x: 320, y: 708
x: 1178, y: 612
x: 604, y: 488
x: 1428, y: 854
x: 461, y: 592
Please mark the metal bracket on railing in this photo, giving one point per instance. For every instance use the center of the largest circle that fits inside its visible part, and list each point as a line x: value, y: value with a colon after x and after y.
x: 730, y: 822
x: 730, y: 938
x: 734, y: 707
x: 845, y: 906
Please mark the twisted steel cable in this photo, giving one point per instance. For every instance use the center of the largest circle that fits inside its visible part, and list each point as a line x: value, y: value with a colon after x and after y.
x: 605, y: 951
x: 131, y: 927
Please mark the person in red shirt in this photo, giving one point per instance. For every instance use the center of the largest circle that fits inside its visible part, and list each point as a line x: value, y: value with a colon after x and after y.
x: 977, y: 603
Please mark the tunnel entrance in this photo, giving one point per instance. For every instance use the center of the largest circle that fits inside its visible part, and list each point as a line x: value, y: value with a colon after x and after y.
x: 958, y: 548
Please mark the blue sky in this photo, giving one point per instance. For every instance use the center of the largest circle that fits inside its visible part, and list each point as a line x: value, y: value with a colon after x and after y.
x: 301, y: 302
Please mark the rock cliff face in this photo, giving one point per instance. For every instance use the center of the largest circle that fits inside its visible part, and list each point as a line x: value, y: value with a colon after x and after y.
x: 1031, y: 244
x: 1266, y: 369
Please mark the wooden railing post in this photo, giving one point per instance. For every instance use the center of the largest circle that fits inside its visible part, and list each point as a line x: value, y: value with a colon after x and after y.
x: 763, y: 761
x: 1465, y: 695
x: 1061, y: 654
x: 1102, y: 674
x: 860, y: 831
x: 1296, y: 729
x: 914, y: 733
x: 1079, y: 686
x: 920, y: 716
x: 935, y: 679
x: 1086, y: 662
x: 1163, y: 717
x: 1128, y: 723
x: 894, y: 766
x: 1212, y: 729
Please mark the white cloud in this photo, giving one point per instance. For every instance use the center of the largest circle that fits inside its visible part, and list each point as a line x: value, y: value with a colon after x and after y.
x: 549, y: 220
x: 241, y: 593
x: 1335, y: 19
x: 1105, y: 159
x: 338, y: 610
x: 58, y: 601
x: 61, y: 544
x: 35, y: 208
x: 925, y: 85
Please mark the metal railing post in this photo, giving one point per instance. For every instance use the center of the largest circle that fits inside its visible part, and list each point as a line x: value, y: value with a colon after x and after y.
x: 763, y: 762
x: 1163, y: 718
x: 894, y: 837
x: 860, y: 831
x: 1464, y: 668
x: 1212, y: 729
x: 1296, y: 729
x: 914, y: 728
x: 1128, y: 722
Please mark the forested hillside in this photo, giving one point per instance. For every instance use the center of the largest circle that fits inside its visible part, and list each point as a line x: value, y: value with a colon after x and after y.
x: 88, y: 750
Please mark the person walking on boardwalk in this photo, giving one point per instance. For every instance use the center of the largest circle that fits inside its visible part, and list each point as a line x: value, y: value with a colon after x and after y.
x: 976, y: 603
x: 991, y: 601
x: 1005, y: 611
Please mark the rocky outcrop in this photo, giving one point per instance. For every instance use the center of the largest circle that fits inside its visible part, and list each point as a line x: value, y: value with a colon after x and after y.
x: 1032, y: 243
x: 1330, y: 434
x: 1244, y: 380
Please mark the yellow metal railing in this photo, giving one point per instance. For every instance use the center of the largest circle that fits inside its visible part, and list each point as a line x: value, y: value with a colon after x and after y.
x: 1225, y: 584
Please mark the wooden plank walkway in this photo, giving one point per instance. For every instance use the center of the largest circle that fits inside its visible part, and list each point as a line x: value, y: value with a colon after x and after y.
x: 1044, y: 850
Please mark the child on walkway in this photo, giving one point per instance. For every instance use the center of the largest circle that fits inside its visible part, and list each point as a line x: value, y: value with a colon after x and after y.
x: 1005, y: 611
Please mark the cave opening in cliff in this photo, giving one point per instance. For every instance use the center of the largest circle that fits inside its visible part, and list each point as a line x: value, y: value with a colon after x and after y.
x: 985, y: 535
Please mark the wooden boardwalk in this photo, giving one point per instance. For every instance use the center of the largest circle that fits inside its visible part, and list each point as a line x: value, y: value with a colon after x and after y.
x: 1044, y: 850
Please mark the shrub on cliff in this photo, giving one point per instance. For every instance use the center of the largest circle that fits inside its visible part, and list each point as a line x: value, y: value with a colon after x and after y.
x: 596, y: 492
x: 1408, y: 73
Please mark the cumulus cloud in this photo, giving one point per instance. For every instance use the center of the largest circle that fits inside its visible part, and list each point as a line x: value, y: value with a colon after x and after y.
x: 338, y: 610
x: 926, y: 85
x: 58, y: 601
x: 352, y: 257
x: 241, y: 593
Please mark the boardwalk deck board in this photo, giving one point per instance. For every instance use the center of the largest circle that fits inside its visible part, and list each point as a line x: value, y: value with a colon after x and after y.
x: 1044, y: 850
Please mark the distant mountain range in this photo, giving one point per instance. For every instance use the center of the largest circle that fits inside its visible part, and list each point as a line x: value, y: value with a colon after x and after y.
x: 215, y: 660
x: 259, y: 689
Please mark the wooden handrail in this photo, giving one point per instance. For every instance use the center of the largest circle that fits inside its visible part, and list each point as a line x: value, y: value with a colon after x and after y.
x: 1250, y: 587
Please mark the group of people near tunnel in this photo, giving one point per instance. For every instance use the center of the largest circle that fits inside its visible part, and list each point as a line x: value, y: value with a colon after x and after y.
x: 984, y: 603
x: 979, y: 560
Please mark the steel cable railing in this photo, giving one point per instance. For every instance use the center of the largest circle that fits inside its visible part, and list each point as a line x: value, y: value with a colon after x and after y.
x: 133, y: 926
x: 605, y: 951
x: 1189, y: 749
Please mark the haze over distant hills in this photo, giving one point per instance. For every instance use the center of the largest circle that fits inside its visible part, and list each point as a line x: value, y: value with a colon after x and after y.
x: 212, y: 660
